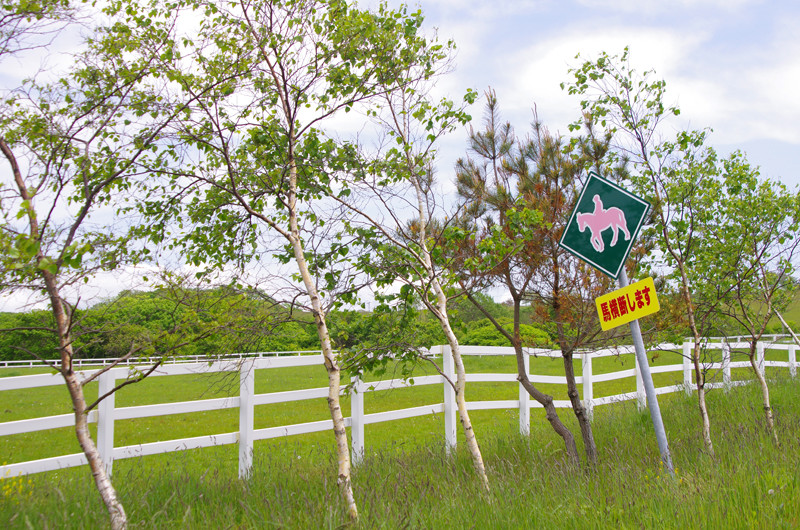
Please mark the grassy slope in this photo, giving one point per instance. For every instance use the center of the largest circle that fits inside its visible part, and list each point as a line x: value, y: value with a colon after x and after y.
x: 406, y: 479
x: 792, y: 313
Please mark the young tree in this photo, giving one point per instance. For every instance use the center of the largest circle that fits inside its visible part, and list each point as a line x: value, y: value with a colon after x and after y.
x: 395, y: 220
x: 754, y: 235
x: 254, y: 159
x: 679, y: 178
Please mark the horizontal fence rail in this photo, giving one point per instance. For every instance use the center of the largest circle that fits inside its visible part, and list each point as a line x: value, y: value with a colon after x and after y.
x: 180, y: 359
x: 106, y: 414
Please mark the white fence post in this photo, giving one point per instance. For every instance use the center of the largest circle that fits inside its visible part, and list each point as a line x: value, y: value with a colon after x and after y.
x: 687, y: 368
x: 524, y: 400
x: 726, y: 364
x: 588, y: 389
x: 760, y: 357
x: 641, y: 397
x: 793, y: 360
x: 105, y: 420
x: 449, y: 400
x: 357, y: 420
x: 247, y: 377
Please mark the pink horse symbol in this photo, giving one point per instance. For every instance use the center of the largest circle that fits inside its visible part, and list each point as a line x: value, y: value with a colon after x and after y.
x: 600, y: 220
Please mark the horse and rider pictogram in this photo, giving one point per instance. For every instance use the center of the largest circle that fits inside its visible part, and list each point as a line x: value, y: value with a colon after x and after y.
x: 602, y: 219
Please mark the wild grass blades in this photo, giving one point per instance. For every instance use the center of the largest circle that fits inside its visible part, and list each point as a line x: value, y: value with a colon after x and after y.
x: 405, y: 484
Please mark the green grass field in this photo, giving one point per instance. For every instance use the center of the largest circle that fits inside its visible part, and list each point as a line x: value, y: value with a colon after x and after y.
x: 406, y: 480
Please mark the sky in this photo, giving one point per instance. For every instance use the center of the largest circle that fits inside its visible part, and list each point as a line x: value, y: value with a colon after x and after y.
x: 730, y: 65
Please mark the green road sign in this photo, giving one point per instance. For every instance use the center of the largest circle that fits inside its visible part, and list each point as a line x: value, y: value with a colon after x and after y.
x: 604, y: 224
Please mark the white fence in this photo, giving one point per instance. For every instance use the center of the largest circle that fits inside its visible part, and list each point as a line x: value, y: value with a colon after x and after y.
x: 106, y: 413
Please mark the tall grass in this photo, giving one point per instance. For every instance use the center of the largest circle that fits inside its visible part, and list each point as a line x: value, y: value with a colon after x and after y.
x: 407, y: 480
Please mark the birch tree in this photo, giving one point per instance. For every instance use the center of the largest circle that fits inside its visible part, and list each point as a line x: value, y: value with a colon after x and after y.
x: 71, y: 151
x: 255, y: 162
x: 396, y: 219
x: 755, y: 237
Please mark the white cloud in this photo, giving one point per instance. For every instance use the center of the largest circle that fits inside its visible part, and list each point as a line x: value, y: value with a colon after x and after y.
x: 730, y: 65
x: 742, y: 97
x: 774, y: 111
x: 535, y: 73
x: 651, y: 7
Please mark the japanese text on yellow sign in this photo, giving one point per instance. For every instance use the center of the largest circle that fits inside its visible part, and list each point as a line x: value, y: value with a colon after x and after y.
x: 629, y: 303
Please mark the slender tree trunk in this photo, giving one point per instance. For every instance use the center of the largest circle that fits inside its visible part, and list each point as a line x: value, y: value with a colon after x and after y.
x: 780, y: 317
x: 587, y: 433
x: 455, y: 349
x: 460, y: 387
x: 102, y: 481
x: 331, y: 363
x: 545, y: 400
x: 764, y: 394
x: 550, y: 410
x: 590, y: 447
x: 687, y: 298
x: 700, y: 378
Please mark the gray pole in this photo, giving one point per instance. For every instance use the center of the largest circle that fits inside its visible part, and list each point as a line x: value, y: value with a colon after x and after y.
x: 649, y: 388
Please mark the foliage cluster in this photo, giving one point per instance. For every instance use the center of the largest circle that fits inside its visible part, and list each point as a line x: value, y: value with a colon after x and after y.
x: 209, y: 322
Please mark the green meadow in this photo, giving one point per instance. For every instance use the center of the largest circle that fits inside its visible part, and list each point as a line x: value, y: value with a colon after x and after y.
x: 406, y: 479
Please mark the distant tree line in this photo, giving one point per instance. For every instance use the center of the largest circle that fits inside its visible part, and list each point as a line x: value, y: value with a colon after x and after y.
x: 109, y: 329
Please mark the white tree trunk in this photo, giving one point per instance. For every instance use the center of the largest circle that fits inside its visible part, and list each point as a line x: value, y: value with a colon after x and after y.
x: 701, y: 398
x: 331, y: 364
x: 460, y: 387
x: 698, y: 369
x: 764, y: 396
x: 441, y: 314
x: 780, y: 317
x: 102, y: 481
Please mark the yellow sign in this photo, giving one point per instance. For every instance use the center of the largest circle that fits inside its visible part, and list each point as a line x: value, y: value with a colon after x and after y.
x: 629, y: 303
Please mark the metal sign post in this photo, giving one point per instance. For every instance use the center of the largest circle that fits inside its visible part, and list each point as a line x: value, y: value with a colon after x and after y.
x: 649, y: 387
